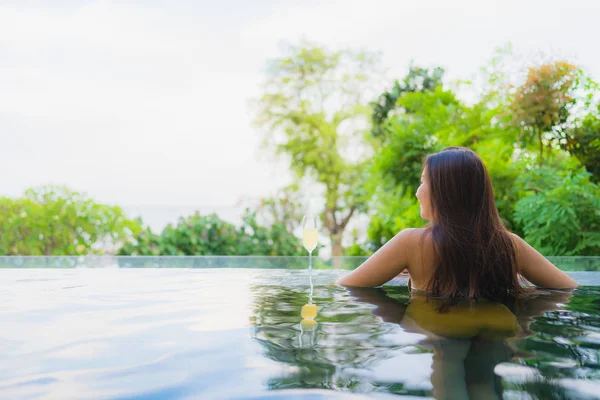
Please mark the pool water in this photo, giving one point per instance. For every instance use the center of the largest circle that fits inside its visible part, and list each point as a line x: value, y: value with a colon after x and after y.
x: 112, y: 333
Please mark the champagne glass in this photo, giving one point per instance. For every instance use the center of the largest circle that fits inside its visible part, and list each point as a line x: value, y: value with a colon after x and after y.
x: 310, y: 235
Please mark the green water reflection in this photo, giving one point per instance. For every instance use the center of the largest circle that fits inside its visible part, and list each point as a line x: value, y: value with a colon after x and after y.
x: 377, y: 340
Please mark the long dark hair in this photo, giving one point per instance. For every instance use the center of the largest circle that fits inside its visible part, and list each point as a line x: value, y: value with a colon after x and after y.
x: 475, y: 255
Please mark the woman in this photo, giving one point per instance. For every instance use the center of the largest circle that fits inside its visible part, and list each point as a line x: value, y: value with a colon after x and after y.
x: 465, y: 252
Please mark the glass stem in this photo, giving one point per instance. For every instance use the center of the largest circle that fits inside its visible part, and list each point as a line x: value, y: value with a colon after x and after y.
x: 310, y: 260
x: 310, y: 293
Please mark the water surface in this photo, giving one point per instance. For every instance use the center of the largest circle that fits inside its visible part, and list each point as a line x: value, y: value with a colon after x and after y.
x: 236, y: 333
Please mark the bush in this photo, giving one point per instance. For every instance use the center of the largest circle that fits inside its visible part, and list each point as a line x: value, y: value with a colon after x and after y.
x: 561, y: 214
x: 209, y: 235
x: 57, y: 221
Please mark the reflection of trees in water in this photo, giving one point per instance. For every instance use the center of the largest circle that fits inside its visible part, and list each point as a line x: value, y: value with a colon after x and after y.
x: 554, y: 339
x: 563, y: 343
x: 346, y: 336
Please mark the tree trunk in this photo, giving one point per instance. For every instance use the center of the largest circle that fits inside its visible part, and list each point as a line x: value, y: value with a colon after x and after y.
x: 336, y: 232
x: 541, y: 149
x: 336, y: 249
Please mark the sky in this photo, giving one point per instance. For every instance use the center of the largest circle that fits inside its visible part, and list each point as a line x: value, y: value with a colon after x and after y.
x: 146, y: 103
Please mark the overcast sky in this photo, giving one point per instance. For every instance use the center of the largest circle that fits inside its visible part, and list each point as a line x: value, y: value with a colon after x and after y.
x: 146, y: 102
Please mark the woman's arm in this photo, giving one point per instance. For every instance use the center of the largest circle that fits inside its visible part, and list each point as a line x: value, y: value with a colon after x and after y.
x: 385, y: 264
x: 538, y: 270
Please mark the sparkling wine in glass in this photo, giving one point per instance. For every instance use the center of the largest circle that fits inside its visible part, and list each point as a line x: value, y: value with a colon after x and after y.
x: 310, y: 235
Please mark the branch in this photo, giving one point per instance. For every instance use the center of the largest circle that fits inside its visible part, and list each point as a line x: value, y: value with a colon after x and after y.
x: 347, y: 218
x: 330, y: 222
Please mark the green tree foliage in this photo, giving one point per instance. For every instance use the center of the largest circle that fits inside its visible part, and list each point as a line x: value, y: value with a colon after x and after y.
x: 200, y: 235
x: 355, y: 249
x: 284, y: 208
x: 57, y: 221
x: 209, y: 235
x: 274, y: 240
x: 145, y: 243
x: 560, y: 211
x: 584, y: 143
x: 417, y: 80
x: 312, y: 110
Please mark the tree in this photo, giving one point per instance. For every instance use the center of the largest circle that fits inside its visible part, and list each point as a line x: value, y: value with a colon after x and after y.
x: 583, y: 142
x: 417, y: 80
x: 200, y: 235
x: 271, y: 240
x: 284, y: 208
x: 559, y: 211
x: 314, y: 111
x: 208, y: 235
x: 58, y: 221
x: 541, y: 106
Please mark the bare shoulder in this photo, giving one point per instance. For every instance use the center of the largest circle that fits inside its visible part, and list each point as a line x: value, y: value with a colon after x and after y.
x: 410, y: 239
x: 524, y: 250
x: 415, y: 235
x: 416, y: 238
x: 418, y: 250
x: 516, y: 239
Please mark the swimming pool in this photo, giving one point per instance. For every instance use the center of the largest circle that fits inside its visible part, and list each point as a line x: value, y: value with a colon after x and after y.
x: 220, y: 333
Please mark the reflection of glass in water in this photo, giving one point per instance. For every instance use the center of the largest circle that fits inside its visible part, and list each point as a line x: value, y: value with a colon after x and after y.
x: 307, y: 328
x: 308, y: 314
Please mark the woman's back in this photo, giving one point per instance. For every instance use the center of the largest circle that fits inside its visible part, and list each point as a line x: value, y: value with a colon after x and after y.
x: 421, y: 260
